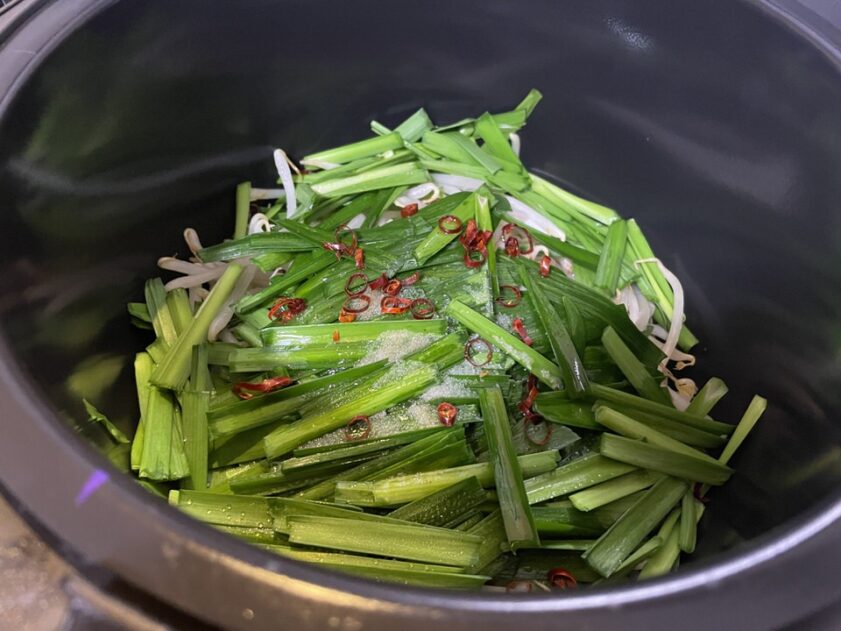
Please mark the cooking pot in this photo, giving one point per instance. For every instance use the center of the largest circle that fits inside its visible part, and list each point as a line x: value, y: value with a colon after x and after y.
x: 716, y: 124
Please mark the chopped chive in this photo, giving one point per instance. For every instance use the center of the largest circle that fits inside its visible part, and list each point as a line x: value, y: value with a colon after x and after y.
x: 143, y: 367
x: 162, y: 457
x: 703, y: 402
x: 444, y: 507
x: 156, y: 304
x: 625, y: 400
x: 610, y: 261
x: 572, y: 413
x: 623, y: 537
x: 195, y: 400
x: 688, y: 523
x: 647, y: 456
x: 173, y: 371
x: 574, y: 476
x: 513, y: 501
x: 396, y: 388
x: 612, y: 490
x: 403, y: 489
x: 313, y: 334
x: 426, y: 544
x: 179, y: 309
x: 531, y: 360
x: 243, y: 204
x: 383, y: 177
x: 675, y: 429
x: 633, y: 369
x: 356, y: 150
x: 438, y: 238
x: 575, y: 378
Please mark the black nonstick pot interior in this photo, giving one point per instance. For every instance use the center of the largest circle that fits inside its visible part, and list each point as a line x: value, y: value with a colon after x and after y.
x: 713, y: 123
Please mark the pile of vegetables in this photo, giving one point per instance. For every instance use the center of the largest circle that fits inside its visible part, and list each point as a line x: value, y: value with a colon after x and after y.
x: 416, y: 361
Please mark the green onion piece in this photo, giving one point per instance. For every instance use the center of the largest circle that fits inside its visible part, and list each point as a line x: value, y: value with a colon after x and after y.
x: 163, y: 455
x: 638, y: 556
x: 314, y: 334
x: 623, y: 537
x: 674, y: 429
x: 484, y: 221
x: 496, y: 143
x: 426, y: 544
x: 572, y: 413
x: 575, y: 378
x: 179, y: 309
x: 143, y: 367
x: 531, y: 360
x: 407, y: 488
x: 156, y: 303
x: 626, y: 426
x: 356, y: 150
x: 612, y: 490
x: 572, y: 203
x: 575, y: 324
x: 707, y: 397
x: 95, y: 415
x: 513, y: 502
x: 444, y: 508
x: 756, y: 408
x: 438, y: 239
x: 375, y: 399
x: 578, y: 474
x: 195, y: 401
x: 625, y: 400
x: 611, y: 258
x: 491, y: 531
x: 663, y: 560
x: 687, y: 533
x: 754, y: 412
x: 252, y: 535
x: 267, y: 358
x: 632, y: 368
x: 173, y: 371
x: 243, y: 205
x: 648, y: 456
x: 224, y: 510
x: 384, y: 177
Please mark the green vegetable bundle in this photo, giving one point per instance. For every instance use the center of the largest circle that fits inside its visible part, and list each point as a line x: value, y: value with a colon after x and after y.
x: 416, y: 361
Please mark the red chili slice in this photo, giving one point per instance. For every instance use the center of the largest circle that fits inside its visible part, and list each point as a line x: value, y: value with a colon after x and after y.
x: 470, y: 260
x: 393, y: 287
x: 519, y: 234
x: 470, y: 351
x: 359, y: 258
x: 449, y: 224
x: 447, y: 413
x: 379, y: 282
x: 287, y: 308
x: 353, y: 240
x: 512, y: 246
x: 470, y: 233
x: 422, y: 309
x: 509, y: 303
x: 561, y: 578
x: 351, y: 431
x: 394, y: 305
x: 533, y: 420
x: 411, y: 279
x: 244, y: 389
x: 356, y: 284
x: 545, y: 266
x: 356, y: 304
x: 408, y: 210
x: 345, y: 316
x: 520, y: 328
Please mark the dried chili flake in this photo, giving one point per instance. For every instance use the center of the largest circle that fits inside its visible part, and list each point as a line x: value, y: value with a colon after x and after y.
x: 473, y: 350
x: 422, y: 309
x: 520, y: 328
x: 449, y: 224
x: 356, y: 284
x: 447, y: 413
x: 509, y: 303
x: 408, y: 210
x: 358, y: 428
x: 394, y: 305
x: 245, y: 389
x: 561, y: 578
x: 287, y: 308
x: 545, y: 265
